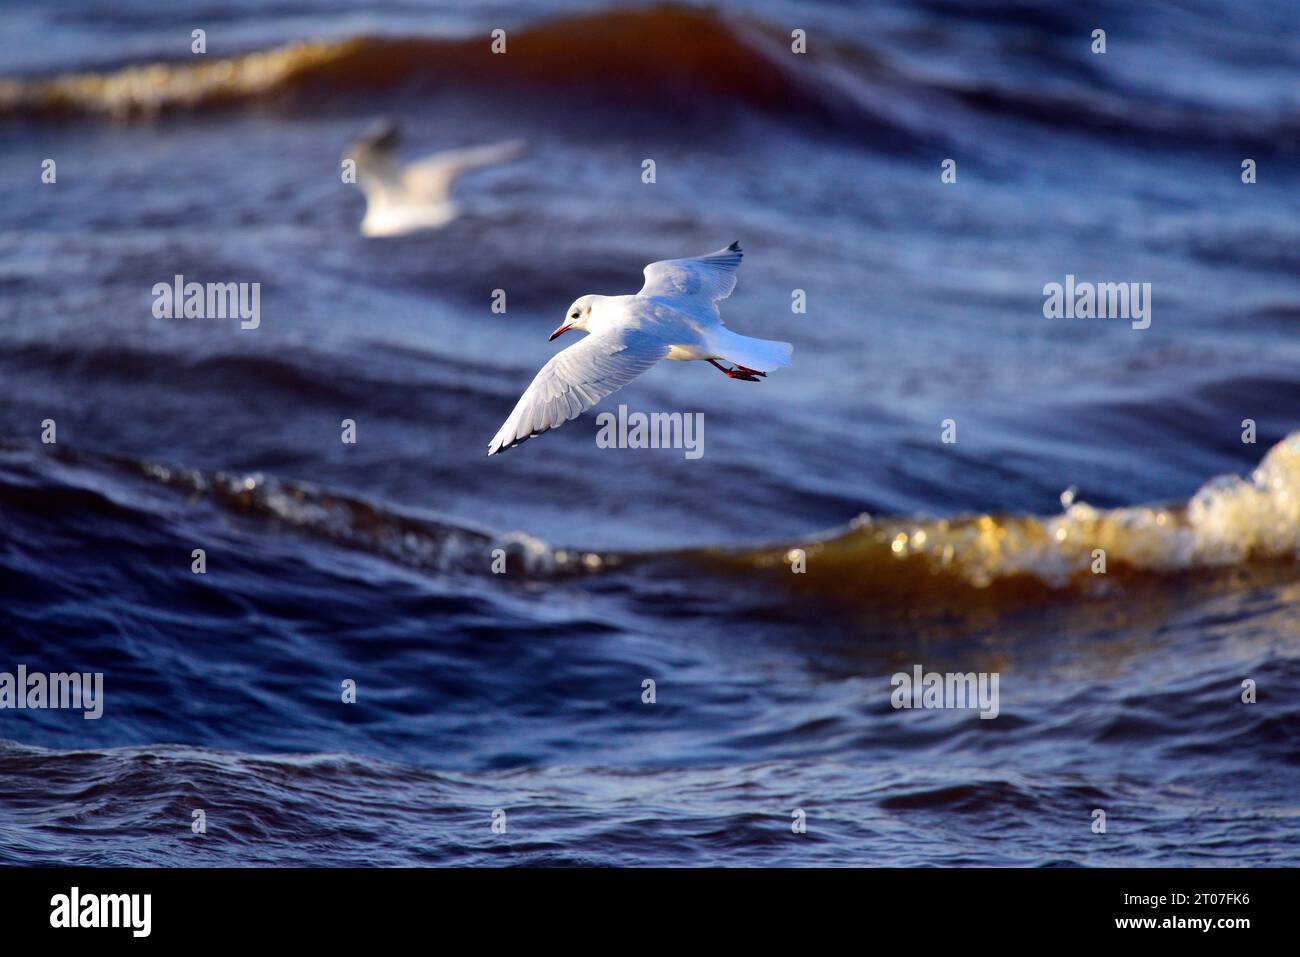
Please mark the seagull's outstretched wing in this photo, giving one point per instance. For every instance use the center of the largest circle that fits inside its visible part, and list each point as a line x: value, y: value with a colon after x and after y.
x: 378, y: 141
x: 575, y: 380
x: 706, y: 279
x: 430, y: 179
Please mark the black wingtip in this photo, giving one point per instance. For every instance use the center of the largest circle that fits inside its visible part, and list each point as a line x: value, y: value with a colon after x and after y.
x: 735, y: 246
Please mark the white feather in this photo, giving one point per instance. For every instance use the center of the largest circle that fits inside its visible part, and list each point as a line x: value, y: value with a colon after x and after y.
x: 674, y: 316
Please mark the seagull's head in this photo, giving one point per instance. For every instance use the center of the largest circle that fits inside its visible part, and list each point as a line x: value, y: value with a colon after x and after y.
x: 578, y: 316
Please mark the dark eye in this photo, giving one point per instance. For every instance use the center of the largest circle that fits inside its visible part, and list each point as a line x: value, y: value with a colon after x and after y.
x: 574, y: 316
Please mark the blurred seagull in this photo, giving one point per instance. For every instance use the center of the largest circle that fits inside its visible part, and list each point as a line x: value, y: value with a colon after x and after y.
x: 674, y: 316
x: 404, y: 199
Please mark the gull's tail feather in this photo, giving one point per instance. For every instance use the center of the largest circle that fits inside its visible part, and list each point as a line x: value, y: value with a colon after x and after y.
x: 762, y: 355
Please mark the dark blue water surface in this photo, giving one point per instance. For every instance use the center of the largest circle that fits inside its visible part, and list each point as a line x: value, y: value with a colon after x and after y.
x: 523, y: 692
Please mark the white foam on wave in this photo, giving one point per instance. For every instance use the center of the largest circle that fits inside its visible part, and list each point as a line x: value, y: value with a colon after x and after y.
x: 1230, y: 520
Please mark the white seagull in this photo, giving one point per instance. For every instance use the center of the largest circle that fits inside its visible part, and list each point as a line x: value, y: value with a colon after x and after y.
x: 404, y: 199
x: 674, y: 316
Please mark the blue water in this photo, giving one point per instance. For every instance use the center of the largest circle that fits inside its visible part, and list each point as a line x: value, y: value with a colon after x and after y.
x: 522, y: 692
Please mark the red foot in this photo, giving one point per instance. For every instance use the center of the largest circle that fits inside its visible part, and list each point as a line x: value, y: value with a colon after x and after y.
x: 739, y: 372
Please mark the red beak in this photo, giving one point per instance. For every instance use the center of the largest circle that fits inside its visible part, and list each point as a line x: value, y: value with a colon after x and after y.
x: 559, y: 332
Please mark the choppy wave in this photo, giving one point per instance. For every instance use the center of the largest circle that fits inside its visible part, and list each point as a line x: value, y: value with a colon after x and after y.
x: 1230, y: 523
x: 698, y: 61
x: 658, y: 55
x: 336, y: 809
x: 347, y: 521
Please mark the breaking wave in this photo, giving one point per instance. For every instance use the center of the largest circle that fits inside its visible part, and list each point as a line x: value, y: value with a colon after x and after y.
x: 1231, y: 522
x: 653, y: 56
x: 684, y: 63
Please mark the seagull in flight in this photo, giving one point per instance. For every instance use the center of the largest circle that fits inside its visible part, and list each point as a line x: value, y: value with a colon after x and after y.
x: 404, y: 199
x: 674, y: 316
